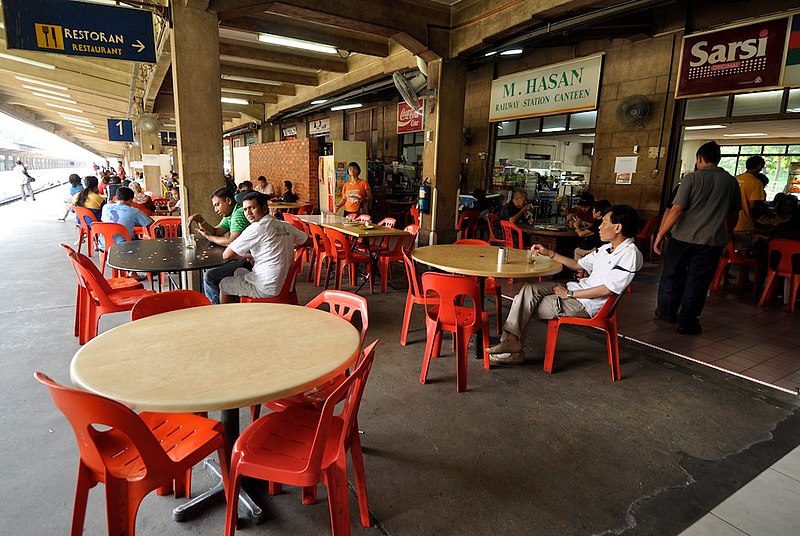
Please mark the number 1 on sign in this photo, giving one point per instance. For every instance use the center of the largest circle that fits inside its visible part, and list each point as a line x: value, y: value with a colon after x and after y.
x: 119, y: 126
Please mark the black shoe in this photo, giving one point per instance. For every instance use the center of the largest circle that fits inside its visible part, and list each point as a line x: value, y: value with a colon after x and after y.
x: 690, y: 330
x: 670, y: 319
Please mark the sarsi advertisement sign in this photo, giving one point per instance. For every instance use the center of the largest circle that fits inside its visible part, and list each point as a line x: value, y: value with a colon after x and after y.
x: 571, y: 86
x: 742, y: 58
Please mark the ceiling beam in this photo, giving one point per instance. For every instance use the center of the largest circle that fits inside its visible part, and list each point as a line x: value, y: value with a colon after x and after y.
x: 304, y: 79
x: 283, y: 89
x: 72, y: 80
x: 159, y: 72
x: 228, y: 47
x: 232, y: 9
x: 287, y: 27
x: 116, y: 106
x: 27, y: 116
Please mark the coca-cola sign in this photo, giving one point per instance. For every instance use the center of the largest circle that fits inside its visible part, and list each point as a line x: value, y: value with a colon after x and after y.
x: 410, y: 120
x: 742, y: 58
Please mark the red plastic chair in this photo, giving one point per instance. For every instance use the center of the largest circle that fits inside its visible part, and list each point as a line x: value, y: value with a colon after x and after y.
x: 288, y: 293
x: 388, y: 222
x: 116, y: 283
x: 346, y: 258
x: 512, y: 235
x: 161, y: 203
x: 494, y: 224
x: 164, y: 302
x: 490, y: 285
x: 308, y: 208
x: 648, y: 234
x: 303, y: 447
x: 136, y: 455
x: 171, y: 227
x: 414, y: 211
x: 366, y: 218
x: 467, y: 222
x: 413, y: 297
x: 109, y: 231
x: 605, y: 319
x: 98, y: 297
x: 388, y: 256
x: 445, y: 314
x: 784, y: 261
x: 324, y: 250
x: 342, y: 304
x: 86, y: 219
x: 730, y: 256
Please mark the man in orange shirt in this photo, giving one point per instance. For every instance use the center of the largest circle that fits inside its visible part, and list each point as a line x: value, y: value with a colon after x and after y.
x: 356, y: 193
x: 753, y: 196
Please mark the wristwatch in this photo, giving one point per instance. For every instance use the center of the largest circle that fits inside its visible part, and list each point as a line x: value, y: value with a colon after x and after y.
x: 569, y: 293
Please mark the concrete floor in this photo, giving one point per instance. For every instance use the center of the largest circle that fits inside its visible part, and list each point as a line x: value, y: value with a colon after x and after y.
x: 522, y: 452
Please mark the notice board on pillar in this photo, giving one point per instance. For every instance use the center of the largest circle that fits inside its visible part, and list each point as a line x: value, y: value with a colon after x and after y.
x: 80, y: 29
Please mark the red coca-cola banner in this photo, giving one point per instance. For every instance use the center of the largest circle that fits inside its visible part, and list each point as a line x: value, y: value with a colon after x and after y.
x: 410, y: 120
x: 742, y: 58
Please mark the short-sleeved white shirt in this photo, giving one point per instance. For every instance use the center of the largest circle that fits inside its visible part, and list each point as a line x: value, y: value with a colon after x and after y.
x: 614, y: 269
x: 271, y: 242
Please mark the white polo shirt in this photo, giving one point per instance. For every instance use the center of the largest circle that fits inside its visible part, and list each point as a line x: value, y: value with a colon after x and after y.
x: 614, y: 269
x: 271, y: 242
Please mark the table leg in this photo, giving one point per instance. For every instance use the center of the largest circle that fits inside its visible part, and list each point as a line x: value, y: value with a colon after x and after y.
x: 478, y: 334
x: 230, y: 421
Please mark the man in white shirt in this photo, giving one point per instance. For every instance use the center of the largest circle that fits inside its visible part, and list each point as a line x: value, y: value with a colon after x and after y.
x: 270, y: 243
x: 264, y: 186
x: 611, y: 269
x: 25, y: 181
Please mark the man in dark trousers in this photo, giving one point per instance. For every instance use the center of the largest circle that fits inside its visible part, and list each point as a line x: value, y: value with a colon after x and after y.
x: 701, y: 222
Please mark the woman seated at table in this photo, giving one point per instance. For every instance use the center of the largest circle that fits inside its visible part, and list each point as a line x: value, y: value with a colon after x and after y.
x: 611, y: 269
x: 269, y: 243
x: 589, y: 232
x: 141, y: 200
x: 288, y: 194
x: 89, y: 197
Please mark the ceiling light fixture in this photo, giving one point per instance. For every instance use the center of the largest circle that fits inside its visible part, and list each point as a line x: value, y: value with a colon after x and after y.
x: 243, y: 92
x: 554, y: 129
x: 346, y: 106
x: 490, y: 53
x: 746, y: 135
x: 296, y: 43
x: 27, y: 61
x: 69, y: 117
x: 319, y: 101
x: 511, y: 52
x: 586, y: 135
x: 234, y: 78
x: 705, y: 127
x: 86, y: 129
x: 46, y: 84
x: 53, y: 97
x: 67, y: 108
x: 48, y: 91
x: 793, y: 110
x: 233, y: 100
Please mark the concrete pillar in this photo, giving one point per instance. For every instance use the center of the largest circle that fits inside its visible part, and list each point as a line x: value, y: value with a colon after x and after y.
x: 150, y: 144
x: 198, y: 110
x: 441, y: 160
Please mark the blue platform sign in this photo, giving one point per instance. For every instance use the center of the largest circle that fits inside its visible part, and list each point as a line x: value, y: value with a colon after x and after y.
x: 120, y: 130
x: 80, y: 29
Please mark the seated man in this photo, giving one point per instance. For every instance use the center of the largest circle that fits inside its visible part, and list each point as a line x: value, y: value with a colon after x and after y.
x: 270, y: 243
x: 588, y: 232
x: 518, y: 210
x: 244, y: 188
x: 233, y: 222
x: 611, y: 269
x: 123, y: 213
x: 288, y: 194
x: 264, y: 186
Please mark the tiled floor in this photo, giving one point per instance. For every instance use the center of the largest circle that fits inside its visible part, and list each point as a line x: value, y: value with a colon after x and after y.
x: 767, y: 505
x: 760, y: 343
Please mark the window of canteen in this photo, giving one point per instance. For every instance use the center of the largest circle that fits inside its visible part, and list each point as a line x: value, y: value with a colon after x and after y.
x: 781, y: 162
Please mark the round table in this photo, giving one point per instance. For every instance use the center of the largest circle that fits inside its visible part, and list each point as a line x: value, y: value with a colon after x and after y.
x: 216, y: 358
x: 164, y: 255
x: 481, y: 261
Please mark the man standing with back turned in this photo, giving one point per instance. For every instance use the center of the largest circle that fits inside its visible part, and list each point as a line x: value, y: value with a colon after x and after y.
x: 701, y: 221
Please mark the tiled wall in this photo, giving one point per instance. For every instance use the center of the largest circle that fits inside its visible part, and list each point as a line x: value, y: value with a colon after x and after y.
x: 293, y: 160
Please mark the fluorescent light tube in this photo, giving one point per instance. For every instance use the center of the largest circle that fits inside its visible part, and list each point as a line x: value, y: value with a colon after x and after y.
x: 705, y: 127
x: 511, y: 52
x: 243, y: 92
x: 264, y: 81
x: 233, y: 100
x: 53, y: 97
x: 27, y: 61
x: 319, y: 101
x: 346, y: 106
x: 746, y: 135
x: 296, y: 43
x: 67, y: 108
x: 46, y: 84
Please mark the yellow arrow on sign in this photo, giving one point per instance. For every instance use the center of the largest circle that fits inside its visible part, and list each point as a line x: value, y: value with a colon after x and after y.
x: 138, y: 45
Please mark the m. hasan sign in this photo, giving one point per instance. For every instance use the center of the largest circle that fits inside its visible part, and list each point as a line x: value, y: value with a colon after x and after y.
x: 742, y: 58
x: 564, y: 87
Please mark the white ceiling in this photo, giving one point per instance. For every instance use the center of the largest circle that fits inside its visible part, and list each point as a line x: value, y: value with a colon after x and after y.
x: 787, y: 130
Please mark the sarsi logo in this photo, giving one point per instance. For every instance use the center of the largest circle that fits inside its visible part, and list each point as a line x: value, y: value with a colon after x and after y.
x: 729, y: 52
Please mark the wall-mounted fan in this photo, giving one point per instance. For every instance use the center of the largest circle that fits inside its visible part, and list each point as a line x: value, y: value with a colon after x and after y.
x: 632, y: 110
x: 148, y: 123
x: 412, y: 85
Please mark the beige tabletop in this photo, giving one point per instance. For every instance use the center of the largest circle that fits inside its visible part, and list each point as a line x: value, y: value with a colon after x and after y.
x: 159, y: 217
x: 544, y: 231
x: 482, y: 261
x: 216, y: 357
x: 281, y: 204
x: 319, y: 219
x: 357, y: 229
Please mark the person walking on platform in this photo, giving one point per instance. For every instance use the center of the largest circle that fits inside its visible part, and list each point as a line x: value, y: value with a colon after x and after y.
x: 25, y: 181
x: 701, y: 220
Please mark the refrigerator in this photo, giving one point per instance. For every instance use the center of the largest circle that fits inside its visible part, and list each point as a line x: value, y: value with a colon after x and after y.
x: 333, y: 172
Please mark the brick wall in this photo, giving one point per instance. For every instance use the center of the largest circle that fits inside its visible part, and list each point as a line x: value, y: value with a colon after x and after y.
x: 292, y: 160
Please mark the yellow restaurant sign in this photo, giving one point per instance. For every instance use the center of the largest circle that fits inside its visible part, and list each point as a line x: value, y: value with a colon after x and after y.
x: 570, y: 86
